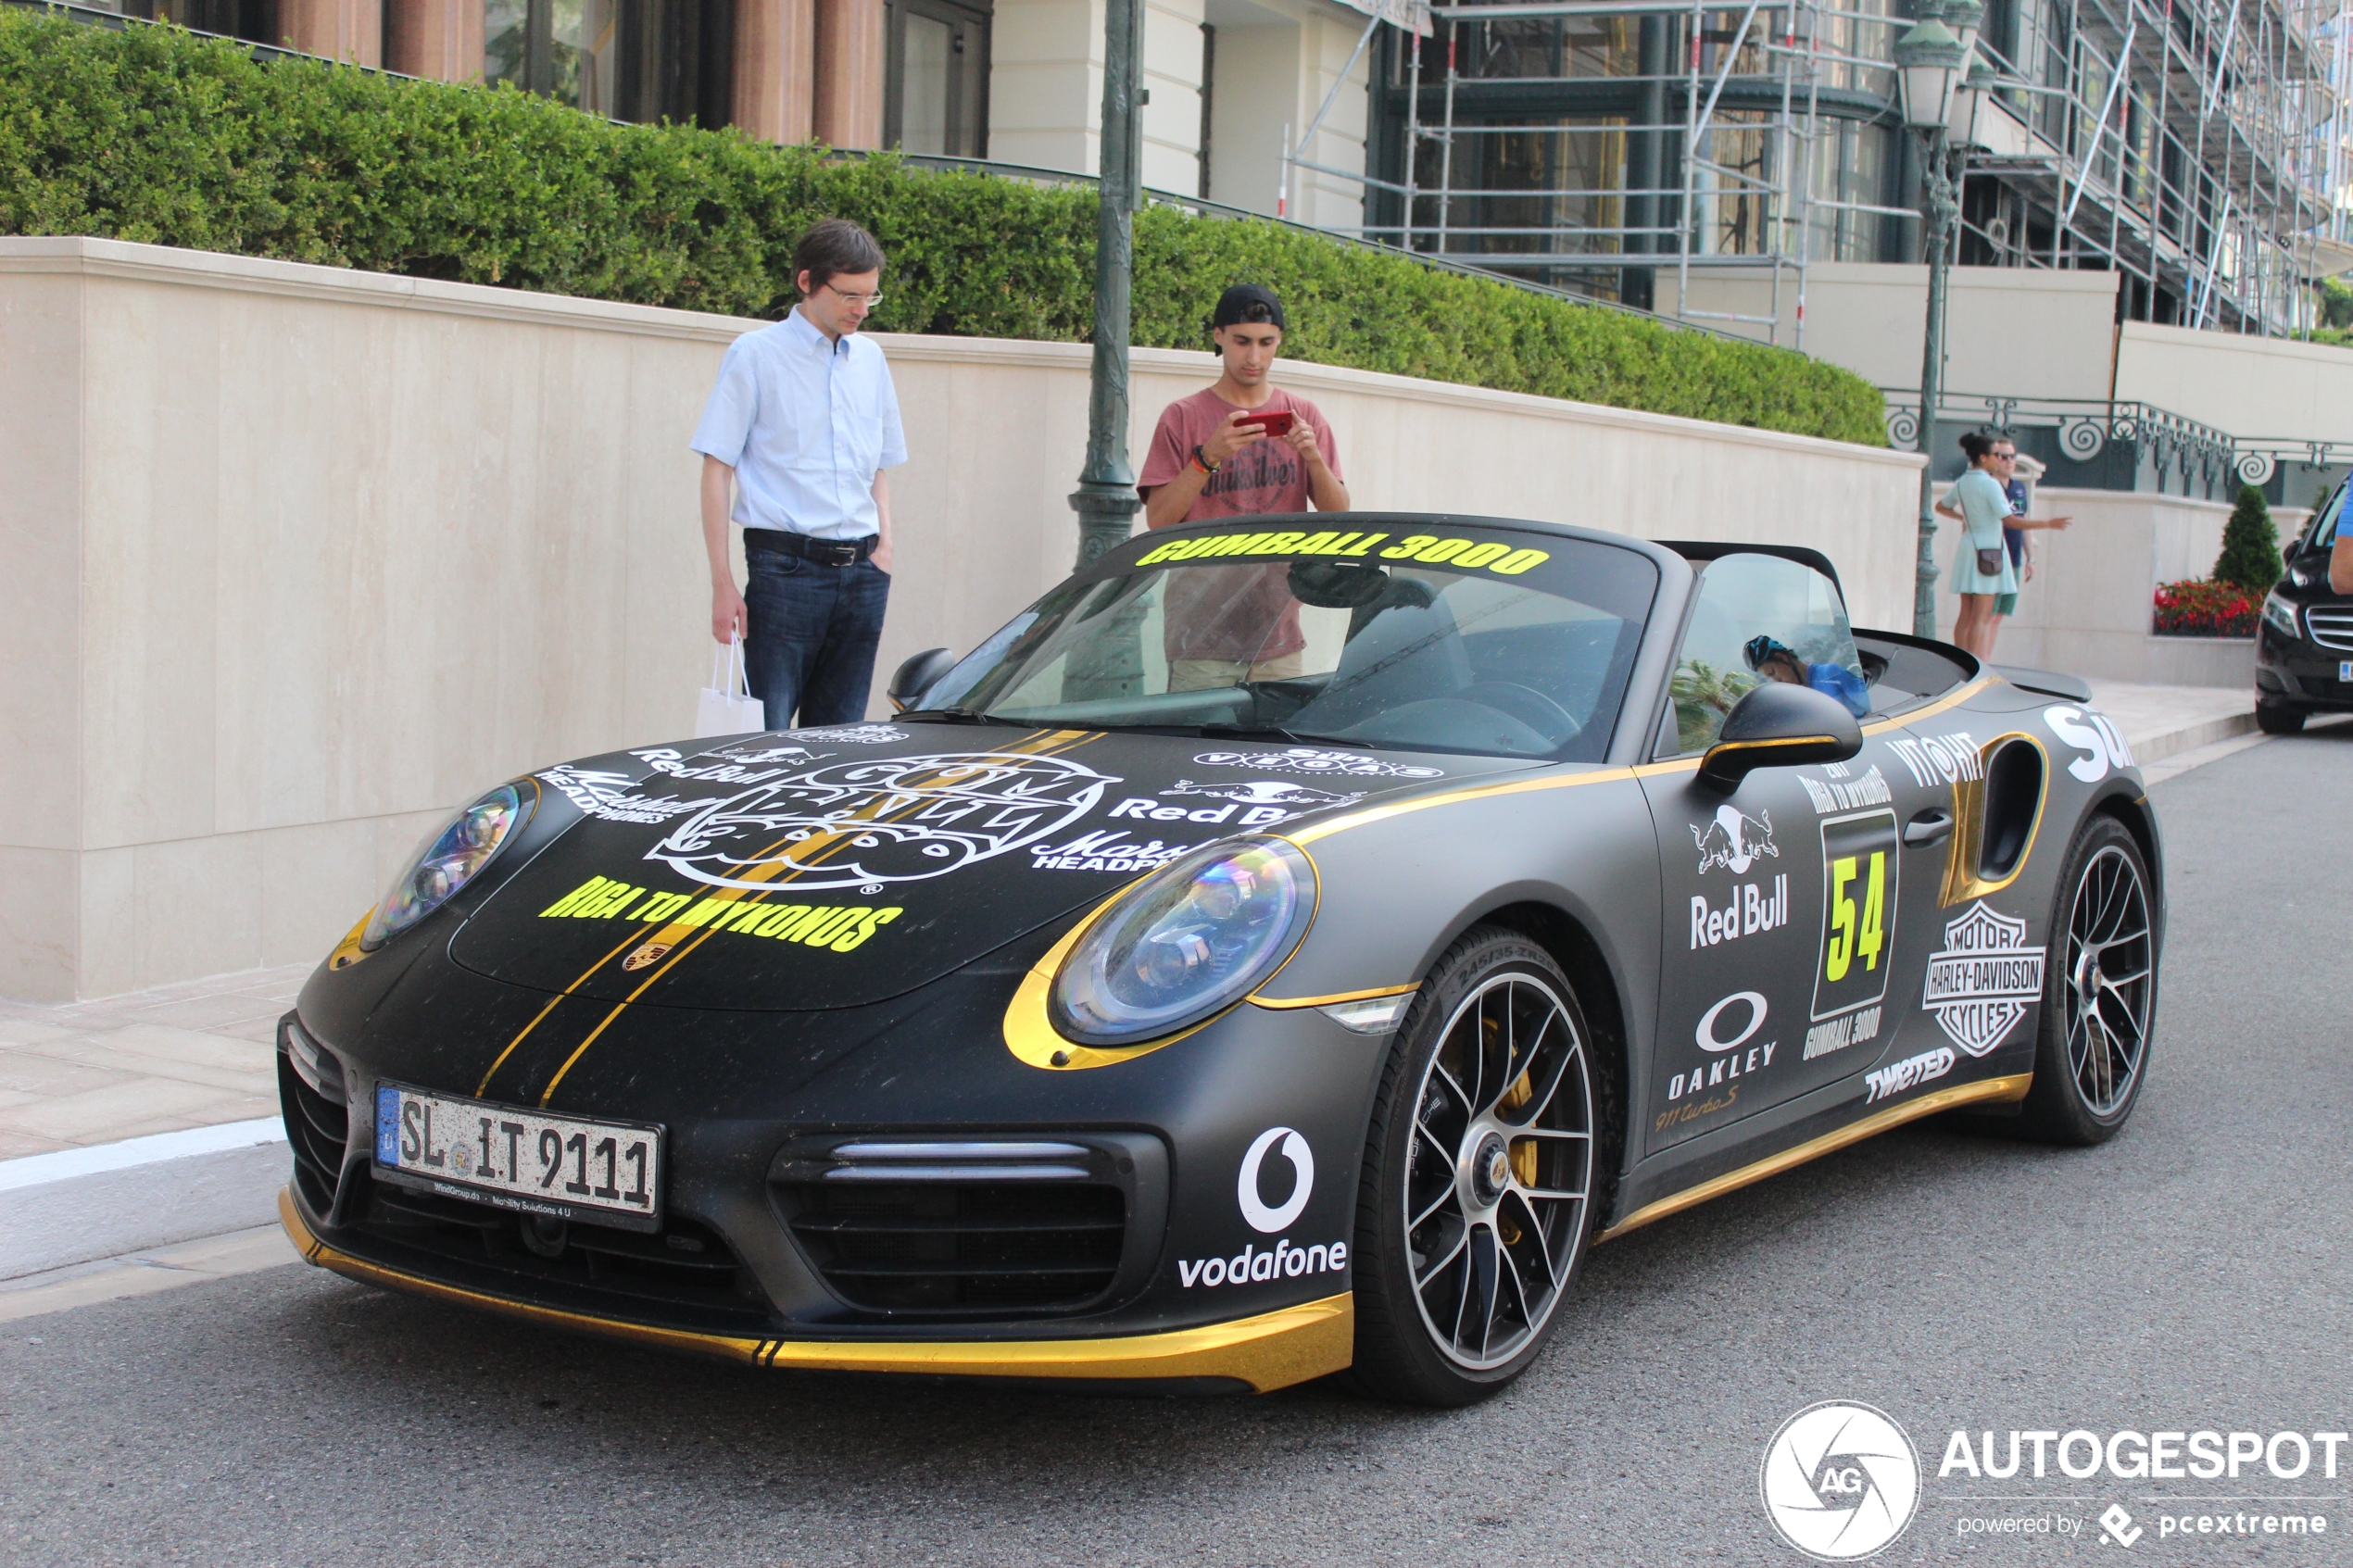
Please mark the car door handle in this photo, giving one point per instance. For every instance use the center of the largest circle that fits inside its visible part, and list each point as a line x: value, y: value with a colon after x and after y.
x: 1929, y: 827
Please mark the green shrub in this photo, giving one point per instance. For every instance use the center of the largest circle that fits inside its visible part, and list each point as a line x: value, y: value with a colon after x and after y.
x: 2250, y: 557
x: 155, y: 135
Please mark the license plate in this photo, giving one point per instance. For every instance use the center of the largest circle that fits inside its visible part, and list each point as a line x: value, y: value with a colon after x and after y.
x: 2345, y: 669
x: 567, y: 1166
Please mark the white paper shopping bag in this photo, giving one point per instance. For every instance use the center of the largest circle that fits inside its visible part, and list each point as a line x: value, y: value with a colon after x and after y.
x: 727, y: 708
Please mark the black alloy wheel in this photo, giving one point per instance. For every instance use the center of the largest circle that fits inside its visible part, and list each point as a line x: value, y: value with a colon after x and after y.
x: 2099, y: 992
x: 1489, y: 1138
x: 2280, y: 718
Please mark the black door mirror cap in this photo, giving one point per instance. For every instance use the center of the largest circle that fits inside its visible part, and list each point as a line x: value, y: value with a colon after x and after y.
x: 1780, y: 726
x: 918, y: 675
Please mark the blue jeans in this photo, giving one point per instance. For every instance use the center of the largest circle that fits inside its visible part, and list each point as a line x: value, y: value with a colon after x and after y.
x: 810, y: 642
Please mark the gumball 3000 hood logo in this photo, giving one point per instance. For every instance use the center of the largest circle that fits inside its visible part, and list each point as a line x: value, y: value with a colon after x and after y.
x: 1840, y: 1481
x: 903, y: 819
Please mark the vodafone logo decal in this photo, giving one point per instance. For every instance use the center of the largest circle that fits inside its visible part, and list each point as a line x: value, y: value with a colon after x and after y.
x: 1285, y: 1262
x: 1266, y: 1221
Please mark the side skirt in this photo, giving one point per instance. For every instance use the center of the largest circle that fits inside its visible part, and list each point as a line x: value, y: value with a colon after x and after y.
x: 1984, y: 1090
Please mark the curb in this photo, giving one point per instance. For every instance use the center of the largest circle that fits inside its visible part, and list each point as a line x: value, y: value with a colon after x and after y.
x: 79, y: 1205
x: 2190, y: 737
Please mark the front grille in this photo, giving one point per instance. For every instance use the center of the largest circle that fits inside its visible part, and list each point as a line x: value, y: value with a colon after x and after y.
x: 2332, y: 626
x: 688, y: 1264
x: 312, y: 1097
x: 992, y: 1227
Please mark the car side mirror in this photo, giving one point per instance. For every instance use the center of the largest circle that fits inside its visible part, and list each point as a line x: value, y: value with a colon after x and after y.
x: 1779, y: 726
x: 918, y: 675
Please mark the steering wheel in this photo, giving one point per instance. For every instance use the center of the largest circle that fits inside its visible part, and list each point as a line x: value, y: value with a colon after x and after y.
x: 1529, y: 706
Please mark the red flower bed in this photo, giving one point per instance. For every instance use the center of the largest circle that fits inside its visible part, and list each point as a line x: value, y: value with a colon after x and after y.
x: 2204, y: 609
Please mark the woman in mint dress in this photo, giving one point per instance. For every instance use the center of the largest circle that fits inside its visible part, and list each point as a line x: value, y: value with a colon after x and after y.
x: 1979, y: 499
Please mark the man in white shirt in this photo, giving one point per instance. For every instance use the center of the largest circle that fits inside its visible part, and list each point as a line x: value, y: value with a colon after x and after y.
x: 797, y: 434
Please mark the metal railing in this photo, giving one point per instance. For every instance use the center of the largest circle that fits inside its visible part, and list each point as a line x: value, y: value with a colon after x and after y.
x: 2161, y: 444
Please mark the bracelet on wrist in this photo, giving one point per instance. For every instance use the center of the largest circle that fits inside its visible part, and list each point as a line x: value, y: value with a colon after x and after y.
x: 1200, y: 460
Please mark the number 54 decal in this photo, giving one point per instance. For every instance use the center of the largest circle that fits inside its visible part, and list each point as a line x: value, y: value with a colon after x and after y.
x: 1861, y: 862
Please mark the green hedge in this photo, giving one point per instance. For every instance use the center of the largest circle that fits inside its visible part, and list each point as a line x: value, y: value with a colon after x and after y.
x: 155, y: 135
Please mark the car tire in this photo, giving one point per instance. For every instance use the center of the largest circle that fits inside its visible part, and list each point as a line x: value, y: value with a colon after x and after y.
x: 2278, y: 718
x: 2099, y: 993
x: 1455, y: 1208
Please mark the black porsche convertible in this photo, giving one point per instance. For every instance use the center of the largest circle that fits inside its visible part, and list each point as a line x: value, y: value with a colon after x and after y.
x: 1285, y: 948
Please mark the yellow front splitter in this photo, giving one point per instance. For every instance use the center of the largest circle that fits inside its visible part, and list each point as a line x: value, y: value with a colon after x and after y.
x: 1271, y: 1350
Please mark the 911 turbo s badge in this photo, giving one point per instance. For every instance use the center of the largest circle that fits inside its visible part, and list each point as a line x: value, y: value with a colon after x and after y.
x: 864, y: 825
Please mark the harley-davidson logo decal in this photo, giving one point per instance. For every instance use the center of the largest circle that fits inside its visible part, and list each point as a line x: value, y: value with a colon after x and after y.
x: 864, y: 824
x: 1980, y: 986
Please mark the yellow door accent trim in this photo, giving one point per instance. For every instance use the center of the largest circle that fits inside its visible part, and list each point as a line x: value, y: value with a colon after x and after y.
x: 1372, y: 814
x: 2013, y: 1087
x: 1269, y: 1351
x: 1337, y: 997
x: 1961, y: 880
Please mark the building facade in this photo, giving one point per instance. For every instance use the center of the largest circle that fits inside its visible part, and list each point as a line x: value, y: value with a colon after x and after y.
x: 1232, y: 86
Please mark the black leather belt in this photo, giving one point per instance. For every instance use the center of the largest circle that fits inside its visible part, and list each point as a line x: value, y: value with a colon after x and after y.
x: 824, y: 552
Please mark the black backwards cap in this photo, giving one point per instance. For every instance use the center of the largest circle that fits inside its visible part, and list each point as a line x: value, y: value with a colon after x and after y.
x: 1233, y: 306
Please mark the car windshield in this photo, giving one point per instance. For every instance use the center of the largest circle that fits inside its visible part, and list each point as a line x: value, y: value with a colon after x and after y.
x: 1437, y: 638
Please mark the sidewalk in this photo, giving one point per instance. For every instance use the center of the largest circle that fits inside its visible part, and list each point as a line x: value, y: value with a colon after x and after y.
x: 2160, y: 721
x: 193, y: 1055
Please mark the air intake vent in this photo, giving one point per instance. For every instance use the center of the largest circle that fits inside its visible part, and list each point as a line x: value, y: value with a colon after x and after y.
x: 311, y: 1096
x: 687, y: 1275
x: 986, y: 1227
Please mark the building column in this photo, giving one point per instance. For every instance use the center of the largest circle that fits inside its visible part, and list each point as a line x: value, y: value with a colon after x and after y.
x: 776, y: 55
x: 848, y: 101
x: 333, y: 29
x: 439, y: 40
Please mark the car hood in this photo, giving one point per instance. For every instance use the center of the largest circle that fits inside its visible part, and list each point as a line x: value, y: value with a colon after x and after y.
x: 839, y: 867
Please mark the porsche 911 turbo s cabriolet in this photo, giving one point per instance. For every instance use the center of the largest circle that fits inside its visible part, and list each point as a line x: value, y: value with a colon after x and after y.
x: 1285, y: 948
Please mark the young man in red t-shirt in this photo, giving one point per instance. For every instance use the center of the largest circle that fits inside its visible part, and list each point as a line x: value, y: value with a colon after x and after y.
x: 1229, y: 624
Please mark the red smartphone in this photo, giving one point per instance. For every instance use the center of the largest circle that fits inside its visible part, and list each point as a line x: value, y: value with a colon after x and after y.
x: 1275, y: 421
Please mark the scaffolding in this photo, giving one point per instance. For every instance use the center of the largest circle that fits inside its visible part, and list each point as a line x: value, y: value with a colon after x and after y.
x: 2197, y: 148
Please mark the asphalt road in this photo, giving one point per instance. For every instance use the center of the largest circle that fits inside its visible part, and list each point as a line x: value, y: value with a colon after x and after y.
x: 2191, y: 1275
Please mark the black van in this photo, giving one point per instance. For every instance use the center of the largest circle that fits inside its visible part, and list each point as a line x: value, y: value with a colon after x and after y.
x: 2304, y: 639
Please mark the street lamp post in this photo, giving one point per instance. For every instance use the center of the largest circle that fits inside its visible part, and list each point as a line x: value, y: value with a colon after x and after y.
x: 1105, y: 499
x: 1929, y: 59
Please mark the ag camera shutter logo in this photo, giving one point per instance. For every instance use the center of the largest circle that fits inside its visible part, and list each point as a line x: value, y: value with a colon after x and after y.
x: 1841, y: 1481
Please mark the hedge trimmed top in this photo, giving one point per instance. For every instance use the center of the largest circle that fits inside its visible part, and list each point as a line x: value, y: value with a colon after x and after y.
x: 153, y: 134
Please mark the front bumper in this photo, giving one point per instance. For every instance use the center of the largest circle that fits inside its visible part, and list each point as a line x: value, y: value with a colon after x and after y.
x: 2299, y: 672
x: 1260, y: 1354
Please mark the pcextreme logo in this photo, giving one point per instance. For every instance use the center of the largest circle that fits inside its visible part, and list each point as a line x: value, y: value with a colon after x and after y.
x: 1841, y: 1481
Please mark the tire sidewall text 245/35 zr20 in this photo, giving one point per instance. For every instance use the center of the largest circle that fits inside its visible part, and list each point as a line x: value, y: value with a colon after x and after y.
x: 1462, y: 1180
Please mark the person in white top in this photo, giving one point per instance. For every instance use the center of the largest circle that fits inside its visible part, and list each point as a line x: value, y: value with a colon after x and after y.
x: 796, y: 441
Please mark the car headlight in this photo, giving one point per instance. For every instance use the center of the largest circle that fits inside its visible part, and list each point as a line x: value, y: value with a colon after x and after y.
x: 2279, y: 615
x: 1193, y: 937
x: 446, y: 863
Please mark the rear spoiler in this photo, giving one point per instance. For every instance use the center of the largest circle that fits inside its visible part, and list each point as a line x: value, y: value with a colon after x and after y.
x: 2074, y: 688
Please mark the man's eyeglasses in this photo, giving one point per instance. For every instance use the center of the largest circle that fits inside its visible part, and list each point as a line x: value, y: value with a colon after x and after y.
x: 2007, y: 457
x: 869, y: 300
